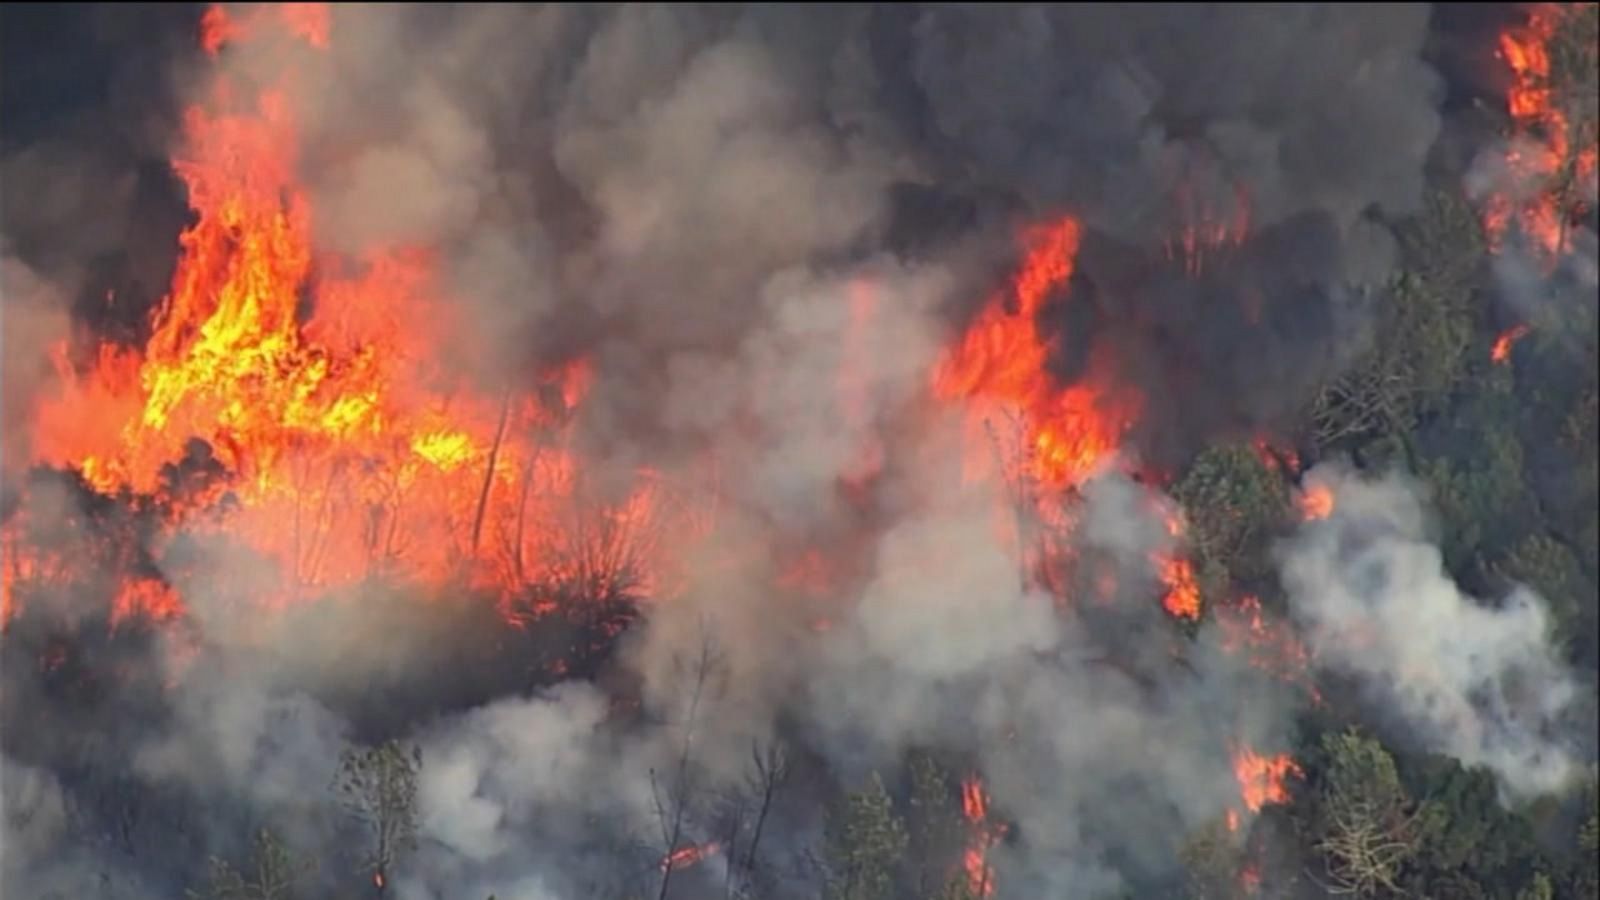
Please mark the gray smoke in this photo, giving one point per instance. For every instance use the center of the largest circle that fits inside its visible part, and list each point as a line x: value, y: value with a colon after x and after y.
x: 1477, y: 680
x: 710, y: 204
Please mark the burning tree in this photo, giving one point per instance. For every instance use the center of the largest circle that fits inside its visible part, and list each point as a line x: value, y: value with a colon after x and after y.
x: 377, y: 786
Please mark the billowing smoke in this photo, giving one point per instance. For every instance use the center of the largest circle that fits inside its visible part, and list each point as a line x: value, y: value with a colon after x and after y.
x: 1478, y: 680
x: 762, y: 227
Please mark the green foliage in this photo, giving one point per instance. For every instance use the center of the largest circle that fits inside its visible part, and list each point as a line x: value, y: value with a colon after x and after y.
x: 378, y: 787
x: 1420, y: 338
x: 1550, y: 569
x: 1465, y: 830
x: 1231, y: 500
x: 1212, y: 859
x: 1365, y: 824
x: 1540, y: 888
x: 273, y: 873
x: 936, y: 830
x: 864, y: 842
x: 1586, y: 878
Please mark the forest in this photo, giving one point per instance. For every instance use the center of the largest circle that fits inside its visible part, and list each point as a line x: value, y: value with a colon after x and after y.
x: 1317, y: 614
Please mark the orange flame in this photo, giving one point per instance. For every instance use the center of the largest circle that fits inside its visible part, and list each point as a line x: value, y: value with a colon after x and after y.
x: 1316, y: 501
x: 684, y: 857
x: 1001, y: 360
x: 1500, y: 352
x: 342, y: 446
x: 1182, y: 599
x: 985, y: 834
x: 1543, y: 155
x: 1269, y: 646
x: 1263, y: 780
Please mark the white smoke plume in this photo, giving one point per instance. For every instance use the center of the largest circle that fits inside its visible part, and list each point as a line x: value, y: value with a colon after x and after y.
x: 1476, y: 679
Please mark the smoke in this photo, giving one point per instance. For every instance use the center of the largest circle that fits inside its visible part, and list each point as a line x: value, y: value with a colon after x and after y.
x: 711, y: 204
x: 1478, y: 681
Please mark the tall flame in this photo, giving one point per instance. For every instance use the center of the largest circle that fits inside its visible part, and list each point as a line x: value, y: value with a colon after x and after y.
x: 1263, y: 780
x: 1000, y: 365
x: 984, y: 835
x: 1553, y: 163
x: 306, y: 390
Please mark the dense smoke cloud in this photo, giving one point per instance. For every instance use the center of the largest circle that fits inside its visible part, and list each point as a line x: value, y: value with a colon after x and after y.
x: 706, y: 203
x: 1478, y: 681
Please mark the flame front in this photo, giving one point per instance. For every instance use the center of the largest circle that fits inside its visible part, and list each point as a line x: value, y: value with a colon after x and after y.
x: 1000, y: 366
x: 684, y: 857
x: 306, y: 390
x: 1551, y: 159
x: 984, y: 834
x: 1500, y: 350
x: 1263, y: 780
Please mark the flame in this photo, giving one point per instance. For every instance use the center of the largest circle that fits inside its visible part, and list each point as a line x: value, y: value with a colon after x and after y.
x: 683, y: 857
x: 1182, y: 599
x: 1315, y: 502
x: 1276, y: 458
x: 1041, y: 438
x: 1543, y: 159
x: 307, y: 390
x: 1263, y: 780
x: 1269, y: 645
x: 1500, y: 352
x: 984, y: 835
x: 1000, y: 362
x: 1205, y: 230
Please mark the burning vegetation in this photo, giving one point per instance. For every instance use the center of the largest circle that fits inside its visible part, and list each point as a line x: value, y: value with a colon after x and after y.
x: 598, y: 478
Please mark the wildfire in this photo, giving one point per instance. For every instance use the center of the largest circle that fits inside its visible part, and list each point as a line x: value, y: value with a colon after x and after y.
x: 684, y: 857
x: 1182, y: 597
x: 1206, y: 230
x: 984, y: 835
x: 1315, y: 502
x: 1000, y: 365
x: 1548, y: 154
x: 1268, y: 645
x: 1263, y: 780
x: 1500, y: 351
x: 341, y: 445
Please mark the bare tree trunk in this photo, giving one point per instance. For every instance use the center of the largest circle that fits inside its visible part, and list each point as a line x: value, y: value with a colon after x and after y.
x: 488, y: 474
x: 672, y: 832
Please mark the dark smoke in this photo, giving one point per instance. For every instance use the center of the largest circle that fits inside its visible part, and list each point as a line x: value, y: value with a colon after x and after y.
x: 684, y: 194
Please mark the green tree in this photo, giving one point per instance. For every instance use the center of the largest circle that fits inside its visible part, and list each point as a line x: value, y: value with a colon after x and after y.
x: 1586, y: 879
x: 1212, y: 859
x: 1540, y: 888
x: 1231, y: 500
x: 378, y: 787
x: 864, y: 842
x: 273, y: 873
x: 936, y: 830
x: 1365, y: 824
x: 1419, y: 339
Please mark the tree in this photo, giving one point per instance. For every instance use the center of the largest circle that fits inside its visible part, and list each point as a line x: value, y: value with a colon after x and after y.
x: 1230, y: 500
x: 864, y: 842
x: 673, y: 802
x: 1212, y: 860
x: 274, y: 873
x: 1586, y: 880
x: 768, y: 773
x: 1540, y: 888
x: 378, y: 787
x: 1366, y: 824
x: 936, y: 832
